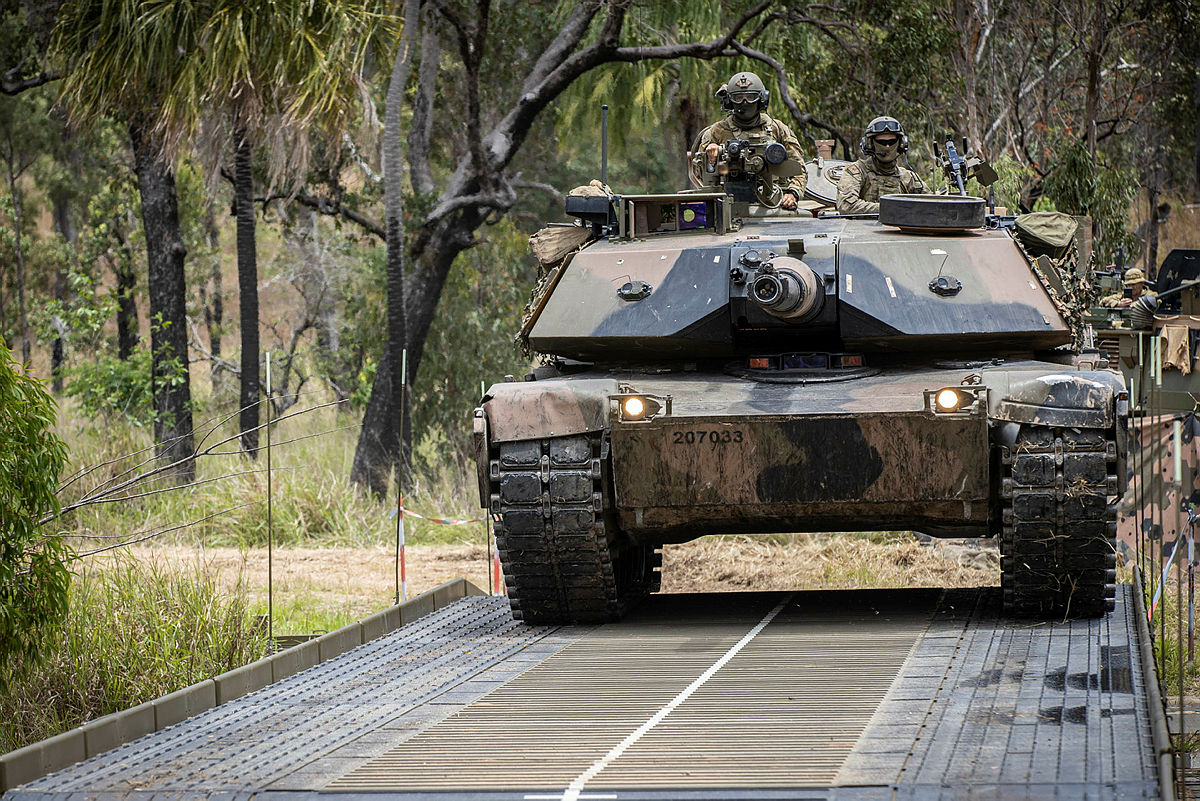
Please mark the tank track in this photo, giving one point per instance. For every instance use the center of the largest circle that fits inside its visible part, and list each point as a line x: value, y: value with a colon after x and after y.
x: 564, y: 558
x: 1058, y: 541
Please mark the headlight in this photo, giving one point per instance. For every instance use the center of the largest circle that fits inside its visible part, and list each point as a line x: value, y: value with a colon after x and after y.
x: 948, y: 400
x: 635, y: 407
x: 956, y: 400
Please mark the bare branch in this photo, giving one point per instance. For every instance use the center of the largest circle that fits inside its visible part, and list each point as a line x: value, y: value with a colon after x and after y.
x: 521, y: 183
x: 14, y: 86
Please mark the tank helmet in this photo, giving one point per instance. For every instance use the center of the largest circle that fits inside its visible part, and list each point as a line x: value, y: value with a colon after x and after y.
x: 1134, y: 276
x: 742, y: 89
x: 878, y: 126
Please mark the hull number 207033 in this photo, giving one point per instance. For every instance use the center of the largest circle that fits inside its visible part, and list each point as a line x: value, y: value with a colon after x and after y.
x: 701, y: 436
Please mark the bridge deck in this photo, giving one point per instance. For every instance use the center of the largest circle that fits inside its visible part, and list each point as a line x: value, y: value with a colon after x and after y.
x: 810, y: 695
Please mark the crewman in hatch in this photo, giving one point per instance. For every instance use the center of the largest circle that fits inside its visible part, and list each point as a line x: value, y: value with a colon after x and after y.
x: 878, y: 172
x: 1135, y: 287
x: 745, y: 98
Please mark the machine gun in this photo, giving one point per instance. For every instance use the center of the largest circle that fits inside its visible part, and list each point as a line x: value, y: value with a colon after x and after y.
x: 748, y: 170
x: 961, y: 167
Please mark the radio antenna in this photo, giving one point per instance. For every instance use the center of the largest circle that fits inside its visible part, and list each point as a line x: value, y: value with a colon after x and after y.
x: 604, y: 144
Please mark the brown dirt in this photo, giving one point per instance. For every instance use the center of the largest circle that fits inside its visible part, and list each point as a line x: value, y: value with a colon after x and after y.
x: 353, y: 582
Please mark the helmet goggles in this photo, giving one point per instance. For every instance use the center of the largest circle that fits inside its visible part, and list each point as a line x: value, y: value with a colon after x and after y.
x: 884, y: 125
x: 741, y: 97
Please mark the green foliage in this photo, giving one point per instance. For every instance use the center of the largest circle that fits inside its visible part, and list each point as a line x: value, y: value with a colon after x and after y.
x: 134, y: 632
x: 33, y: 563
x: 110, y: 387
x: 1077, y: 185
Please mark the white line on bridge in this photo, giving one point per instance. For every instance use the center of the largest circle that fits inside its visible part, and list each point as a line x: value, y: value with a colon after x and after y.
x: 574, y: 791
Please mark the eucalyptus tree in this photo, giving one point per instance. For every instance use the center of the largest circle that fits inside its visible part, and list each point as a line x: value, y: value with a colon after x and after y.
x: 492, y: 122
x: 119, y: 62
x: 273, y: 73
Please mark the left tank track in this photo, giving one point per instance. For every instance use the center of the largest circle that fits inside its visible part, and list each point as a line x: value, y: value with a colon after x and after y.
x: 564, y: 558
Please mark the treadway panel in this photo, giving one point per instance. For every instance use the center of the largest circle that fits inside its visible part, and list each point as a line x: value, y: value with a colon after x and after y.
x: 784, y: 712
x: 846, y: 695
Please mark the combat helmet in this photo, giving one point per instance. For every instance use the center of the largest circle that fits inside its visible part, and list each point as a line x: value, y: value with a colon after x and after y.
x: 741, y: 89
x: 882, y: 125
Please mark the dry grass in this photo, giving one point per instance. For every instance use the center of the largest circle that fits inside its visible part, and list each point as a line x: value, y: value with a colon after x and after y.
x: 318, y: 589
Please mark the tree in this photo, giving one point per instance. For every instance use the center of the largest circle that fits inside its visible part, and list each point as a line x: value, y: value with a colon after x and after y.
x: 277, y: 74
x: 33, y: 565
x: 479, y: 189
x: 118, y: 64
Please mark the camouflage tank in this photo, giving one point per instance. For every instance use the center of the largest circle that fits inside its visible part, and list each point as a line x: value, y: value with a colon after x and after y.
x: 712, y: 366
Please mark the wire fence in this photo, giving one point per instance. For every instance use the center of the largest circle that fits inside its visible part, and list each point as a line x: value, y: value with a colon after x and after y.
x: 1156, y: 527
x: 140, y: 476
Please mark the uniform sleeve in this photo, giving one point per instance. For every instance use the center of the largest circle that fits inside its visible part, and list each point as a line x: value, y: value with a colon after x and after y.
x: 849, y: 200
x: 799, y: 182
x: 710, y: 135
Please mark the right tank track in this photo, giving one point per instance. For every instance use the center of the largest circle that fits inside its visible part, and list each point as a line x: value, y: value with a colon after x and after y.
x: 564, y: 558
x: 1058, y: 540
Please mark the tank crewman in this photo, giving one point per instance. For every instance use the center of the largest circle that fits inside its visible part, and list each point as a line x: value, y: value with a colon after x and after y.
x: 745, y: 98
x: 1135, y: 287
x: 877, y: 172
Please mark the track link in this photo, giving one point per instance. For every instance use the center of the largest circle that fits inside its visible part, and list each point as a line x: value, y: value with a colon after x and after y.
x: 564, y: 559
x: 1058, y: 542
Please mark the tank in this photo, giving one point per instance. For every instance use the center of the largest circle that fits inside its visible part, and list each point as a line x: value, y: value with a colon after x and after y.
x: 712, y: 366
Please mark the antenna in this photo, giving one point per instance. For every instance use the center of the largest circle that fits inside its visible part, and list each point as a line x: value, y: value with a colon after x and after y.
x: 604, y: 144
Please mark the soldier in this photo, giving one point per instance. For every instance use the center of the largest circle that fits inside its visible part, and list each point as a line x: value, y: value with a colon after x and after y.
x: 745, y: 98
x: 1135, y: 285
x: 877, y: 172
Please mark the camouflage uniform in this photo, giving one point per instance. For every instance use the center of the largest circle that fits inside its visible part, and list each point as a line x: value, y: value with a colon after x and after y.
x: 863, y: 182
x: 767, y: 129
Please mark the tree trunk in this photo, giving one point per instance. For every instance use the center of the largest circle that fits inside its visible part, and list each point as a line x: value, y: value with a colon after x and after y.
x: 168, y: 308
x: 22, y: 317
x: 127, y: 317
x: 422, y: 116
x: 65, y: 223
x: 214, y: 304
x: 379, y: 440
x: 247, y: 266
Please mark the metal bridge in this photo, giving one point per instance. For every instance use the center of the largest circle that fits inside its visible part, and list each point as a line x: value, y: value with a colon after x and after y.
x: 866, y: 694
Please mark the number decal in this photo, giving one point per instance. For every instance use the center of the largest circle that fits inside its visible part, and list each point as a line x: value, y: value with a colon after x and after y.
x: 700, y: 436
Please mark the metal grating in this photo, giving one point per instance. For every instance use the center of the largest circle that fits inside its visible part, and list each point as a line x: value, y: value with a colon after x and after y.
x: 785, y: 711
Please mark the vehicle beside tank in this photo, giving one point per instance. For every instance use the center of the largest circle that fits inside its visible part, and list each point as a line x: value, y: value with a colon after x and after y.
x: 714, y: 367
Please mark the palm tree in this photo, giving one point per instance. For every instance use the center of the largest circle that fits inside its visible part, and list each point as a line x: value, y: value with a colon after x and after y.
x: 283, y: 70
x: 118, y: 62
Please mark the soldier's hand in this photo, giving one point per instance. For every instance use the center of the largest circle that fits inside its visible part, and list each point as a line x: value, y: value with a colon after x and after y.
x: 1124, y: 303
x: 712, y: 151
x: 788, y: 202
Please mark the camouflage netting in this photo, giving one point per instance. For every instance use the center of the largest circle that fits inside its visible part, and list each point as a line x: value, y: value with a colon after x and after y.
x: 1049, y: 241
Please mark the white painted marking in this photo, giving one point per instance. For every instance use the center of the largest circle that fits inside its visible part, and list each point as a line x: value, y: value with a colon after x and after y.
x: 716, y: 259
x: 575, y: 789
x: 849, y: 284
x: 660, y: 258
x: 1032, y: 285
x: 937, y: 252
x: 891, y: 287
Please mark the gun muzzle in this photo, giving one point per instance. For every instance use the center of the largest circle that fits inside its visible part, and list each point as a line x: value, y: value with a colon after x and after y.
x: 788, y: 288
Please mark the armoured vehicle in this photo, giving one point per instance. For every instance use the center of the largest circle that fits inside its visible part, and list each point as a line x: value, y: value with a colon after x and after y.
x: 713, y: 366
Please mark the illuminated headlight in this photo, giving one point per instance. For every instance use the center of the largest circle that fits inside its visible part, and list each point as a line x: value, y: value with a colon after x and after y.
x: 635, y: 407
x: 955, y: 400
x: 948, y: 400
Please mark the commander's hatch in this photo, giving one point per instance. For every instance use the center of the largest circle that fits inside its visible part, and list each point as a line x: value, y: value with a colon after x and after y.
x: 642, y: 216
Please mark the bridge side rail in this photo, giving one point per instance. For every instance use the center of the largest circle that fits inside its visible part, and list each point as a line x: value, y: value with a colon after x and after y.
x: 102, y: 734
